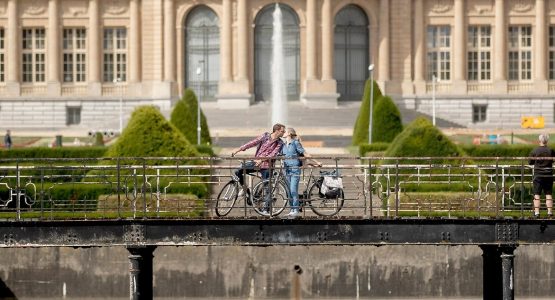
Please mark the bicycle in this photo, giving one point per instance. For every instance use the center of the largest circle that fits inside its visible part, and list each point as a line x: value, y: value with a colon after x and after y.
x: 320, y: 204
x: 229, y: 194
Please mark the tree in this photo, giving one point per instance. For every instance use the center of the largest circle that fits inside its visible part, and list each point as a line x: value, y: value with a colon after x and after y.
x: 184, y: 117
x: 360, y: 132
x: 387, y: 121
x: 148, y: 133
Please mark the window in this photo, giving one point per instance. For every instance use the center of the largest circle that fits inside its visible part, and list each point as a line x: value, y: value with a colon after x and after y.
x: 520, y: 53
x: 479, y: 113
x: 33, y: 55
x: 439, y: 52
x: 2, y: 55
x: 73, y: 115
x: 115, y: 54
x: 75, y: 54
x: 552, y: 52
x: 479, y: 53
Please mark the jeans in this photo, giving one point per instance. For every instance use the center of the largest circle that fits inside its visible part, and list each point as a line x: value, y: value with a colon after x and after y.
x: 293, y: 175
x: 248, y: 167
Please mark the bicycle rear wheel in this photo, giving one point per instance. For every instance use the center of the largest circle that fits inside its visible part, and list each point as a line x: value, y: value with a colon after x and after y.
x: 226, y: 198
x: 324, y: 206
x: 278, y: 195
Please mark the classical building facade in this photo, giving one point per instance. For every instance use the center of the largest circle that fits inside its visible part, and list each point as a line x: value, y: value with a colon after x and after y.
x: 79, y: 63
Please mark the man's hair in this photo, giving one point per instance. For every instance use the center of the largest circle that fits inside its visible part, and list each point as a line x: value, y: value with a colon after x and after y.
x: 544, y: 138
x: 277, y: 127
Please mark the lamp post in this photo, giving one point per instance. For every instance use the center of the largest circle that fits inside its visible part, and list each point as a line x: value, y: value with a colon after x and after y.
x: 199, y: 74
x: 434, y: 81
x: 370, y: 70
x: 117, y: 82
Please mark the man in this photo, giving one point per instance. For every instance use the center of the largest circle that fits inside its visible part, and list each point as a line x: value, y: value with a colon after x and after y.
x: 269, y: 146
x: 543, y: 175
x: 8, y: 140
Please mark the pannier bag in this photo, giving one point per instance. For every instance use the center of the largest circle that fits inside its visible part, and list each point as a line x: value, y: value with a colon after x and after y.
x: 331, y: 186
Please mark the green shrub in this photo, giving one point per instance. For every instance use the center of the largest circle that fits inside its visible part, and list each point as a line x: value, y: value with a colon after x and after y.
x: 63, y: 152
x: 360, y: 132
x: 184, y: 117
x: 517, y: 150
x: 98, y: 139
x: 421, y: 139
x: 387, y: 121
x: 205, y: 150
x: 374, y: 147
x: 149, y: 134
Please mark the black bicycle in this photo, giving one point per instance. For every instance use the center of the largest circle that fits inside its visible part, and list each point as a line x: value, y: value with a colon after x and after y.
x: 261, y: 204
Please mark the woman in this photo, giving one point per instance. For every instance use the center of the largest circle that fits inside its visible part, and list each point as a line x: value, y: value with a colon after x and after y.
x: 292, y: 150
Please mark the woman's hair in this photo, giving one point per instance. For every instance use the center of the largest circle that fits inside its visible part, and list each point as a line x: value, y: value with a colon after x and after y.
x: 544, y: 138
x: 293, y: 133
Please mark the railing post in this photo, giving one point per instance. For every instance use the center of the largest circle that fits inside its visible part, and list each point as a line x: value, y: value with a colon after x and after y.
x: 507, y: 263
x: 140, y: 272
x: 397, y: 188
x: 144, y: 188
x: 18, y: 191
x: 369, y: 188
x: 157, y: 192
x: 522, y: 188
x: 118, y: 171
x: 497, y: 187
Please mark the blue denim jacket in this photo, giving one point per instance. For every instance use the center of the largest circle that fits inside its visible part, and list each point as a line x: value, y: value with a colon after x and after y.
x: 292, y: 150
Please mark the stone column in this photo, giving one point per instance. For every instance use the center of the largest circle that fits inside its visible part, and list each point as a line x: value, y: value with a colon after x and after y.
x: 327, y: 41
x: 235, y: 94
x: 134, y: 42
x: 419, y: 31
x: 383, y: 53
x: 242, y: 40
x: 12, y: 57
x: 95, y: 88
x: 310, y: 39
x: 225, y: 46
x: 169, y: 41
x: 459, y: 49
x: 500, y: 49
x: 540, y: 74
x: 53, y: 55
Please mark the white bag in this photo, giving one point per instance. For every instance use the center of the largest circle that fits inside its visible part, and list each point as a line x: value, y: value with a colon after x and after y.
x: 331, y: 183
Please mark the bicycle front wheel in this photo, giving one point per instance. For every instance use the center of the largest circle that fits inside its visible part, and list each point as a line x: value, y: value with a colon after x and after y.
x: 323, y: 206
x: 226, y: 198
x: 269, y: 200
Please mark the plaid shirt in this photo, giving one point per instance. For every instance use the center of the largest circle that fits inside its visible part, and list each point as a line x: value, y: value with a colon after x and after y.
x: 268, y: 148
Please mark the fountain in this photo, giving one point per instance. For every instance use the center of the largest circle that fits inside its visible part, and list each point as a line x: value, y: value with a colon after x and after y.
x: 279, y: 95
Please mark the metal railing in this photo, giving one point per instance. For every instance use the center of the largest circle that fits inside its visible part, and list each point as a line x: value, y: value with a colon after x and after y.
x: 374, y: 187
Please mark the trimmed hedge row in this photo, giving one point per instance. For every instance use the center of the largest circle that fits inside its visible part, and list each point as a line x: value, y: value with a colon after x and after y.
x: 45, y: 152
x: 374, y: 147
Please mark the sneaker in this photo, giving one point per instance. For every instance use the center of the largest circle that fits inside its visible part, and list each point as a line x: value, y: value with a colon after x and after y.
x: 550, y: 216
x: 294, y: 214
x: 536, y: 216
x: 265, y: 212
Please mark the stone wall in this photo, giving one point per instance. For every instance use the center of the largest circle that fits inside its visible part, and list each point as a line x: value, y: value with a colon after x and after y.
x: 270, y: 272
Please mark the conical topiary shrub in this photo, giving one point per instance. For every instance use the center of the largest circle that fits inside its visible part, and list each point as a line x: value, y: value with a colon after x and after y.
x: 421, y: 139
x: 184, y: 117
x: 360, y: 132
x: 387, y: 121
x: 148, y: 133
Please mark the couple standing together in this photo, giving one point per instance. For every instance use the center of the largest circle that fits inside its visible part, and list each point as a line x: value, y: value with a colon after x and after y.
x: 270, y: 145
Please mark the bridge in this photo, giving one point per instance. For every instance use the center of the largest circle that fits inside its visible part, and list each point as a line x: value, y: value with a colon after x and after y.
x: 144, y: 203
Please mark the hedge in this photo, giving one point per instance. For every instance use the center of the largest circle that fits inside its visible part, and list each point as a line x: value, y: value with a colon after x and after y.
x: 360, y: 131
x: 374, y: 147
x: 63, y: 152
x: 387, y: 121
x: 184, y: 118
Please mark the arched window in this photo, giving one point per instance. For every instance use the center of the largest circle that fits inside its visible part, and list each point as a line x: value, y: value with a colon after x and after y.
x: 202, y: 49
x: 263, y: 52
x: 351, y: 52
